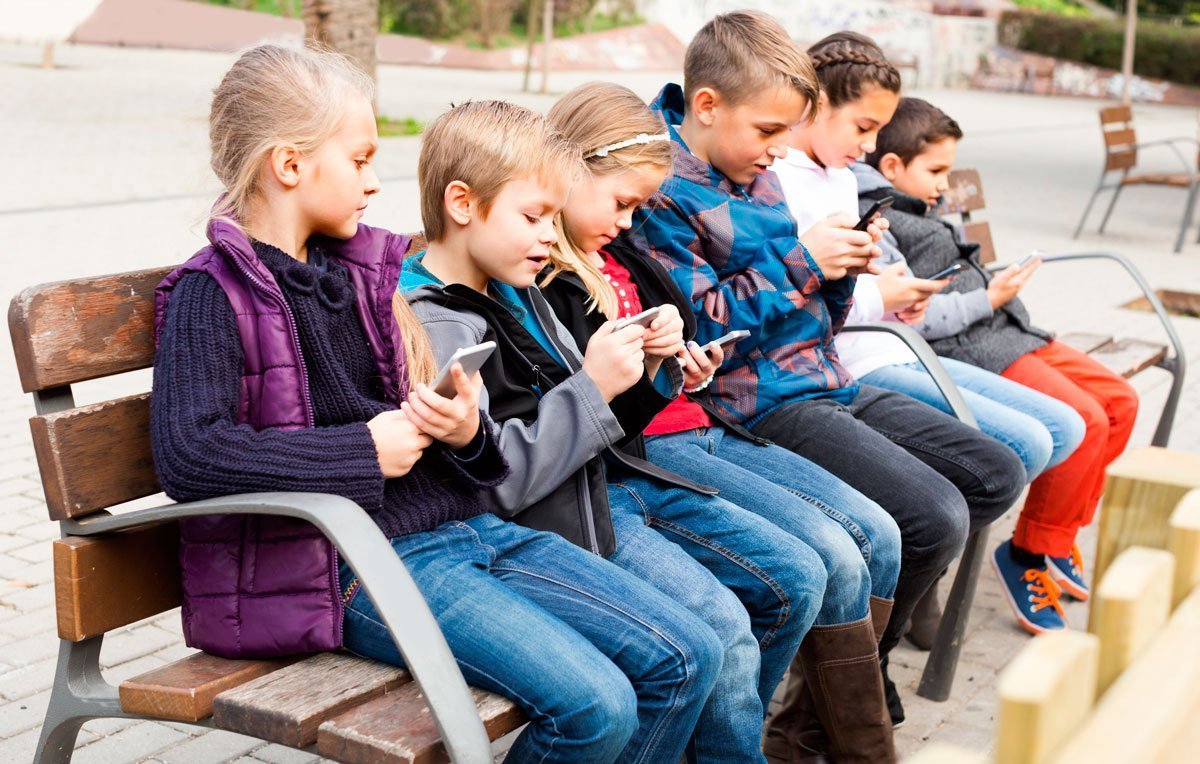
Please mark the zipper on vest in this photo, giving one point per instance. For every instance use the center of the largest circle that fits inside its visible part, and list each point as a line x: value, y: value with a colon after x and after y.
x: 308, y: 409
x: 535, y: 373
x: 585, y: 494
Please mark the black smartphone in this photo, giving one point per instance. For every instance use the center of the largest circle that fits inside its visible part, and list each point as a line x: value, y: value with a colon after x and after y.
x: 876, y: 208
x: 947, y: 272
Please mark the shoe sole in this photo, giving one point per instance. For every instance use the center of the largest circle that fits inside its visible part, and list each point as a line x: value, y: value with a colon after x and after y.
x: 1068, y: 586
x: 1024, y: 622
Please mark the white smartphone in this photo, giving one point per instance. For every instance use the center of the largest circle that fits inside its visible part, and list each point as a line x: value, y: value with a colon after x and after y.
x: 1029, y: 258
x: 643, y: 319
x: 472, y: 360
x: 737, y: 335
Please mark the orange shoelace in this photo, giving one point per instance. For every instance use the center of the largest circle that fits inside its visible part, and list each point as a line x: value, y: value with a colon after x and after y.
x: 1076, y: 560
x: 1044, y: 590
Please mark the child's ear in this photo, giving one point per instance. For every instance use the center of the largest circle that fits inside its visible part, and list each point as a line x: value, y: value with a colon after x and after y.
x: 459, y: 202
x: 284, y: 165
x: 704, y: 102
x: 891, y: 166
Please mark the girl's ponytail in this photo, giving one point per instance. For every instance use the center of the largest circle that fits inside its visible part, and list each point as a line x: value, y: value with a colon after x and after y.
x: 418, y: 351
x: 845, y: 61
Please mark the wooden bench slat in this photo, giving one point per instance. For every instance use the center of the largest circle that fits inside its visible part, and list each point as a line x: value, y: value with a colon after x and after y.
x: 70, y: 331
x: 1129, y: 356
x: 95, y: 456
x: 184, y: 690
x: 287, y: 706
x: 1120, y: 160
x: 980, y: 232
x: 105, y: 582
x: 399, y: 727
x: 1183, y: 542
x: 1124, y: 137
x: 1085, y: 342
x: 965, y: 193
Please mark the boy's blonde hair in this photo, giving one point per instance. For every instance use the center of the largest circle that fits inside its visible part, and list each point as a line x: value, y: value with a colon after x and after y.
x: 741, y: 54
x: 279, y: 95
x: 596, y: 115
x: 486, y: 144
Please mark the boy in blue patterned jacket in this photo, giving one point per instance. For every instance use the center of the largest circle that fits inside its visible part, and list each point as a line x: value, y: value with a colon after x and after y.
x: 721, y: 227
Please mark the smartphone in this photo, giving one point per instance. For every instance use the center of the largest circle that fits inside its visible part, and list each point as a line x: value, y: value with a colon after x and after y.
x: 735, y: 336
x: 472, y: 360
x: 1028, y: 259
x: 876, y: 208
x: 642, y: 319
x: 947, y: 272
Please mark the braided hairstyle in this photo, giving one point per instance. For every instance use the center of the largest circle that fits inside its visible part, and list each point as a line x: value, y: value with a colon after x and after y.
x: 845, y: 61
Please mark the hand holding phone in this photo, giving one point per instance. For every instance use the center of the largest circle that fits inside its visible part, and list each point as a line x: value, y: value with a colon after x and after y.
x: 875, y: 209
x: 472, y: 360
x: 946, y: 273
x: 737, y: 335
x: 643, y: 319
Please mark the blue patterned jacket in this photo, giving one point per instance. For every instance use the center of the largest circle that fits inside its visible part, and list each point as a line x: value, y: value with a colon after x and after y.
x: 733, y: 251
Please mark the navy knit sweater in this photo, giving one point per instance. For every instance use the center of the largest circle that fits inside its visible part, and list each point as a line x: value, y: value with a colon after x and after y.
x: 201, y: 452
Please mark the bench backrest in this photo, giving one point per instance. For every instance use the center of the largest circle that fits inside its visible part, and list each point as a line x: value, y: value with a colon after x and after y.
x: 1120, y: 139
x: 96, y: 456
x: 964, y: 198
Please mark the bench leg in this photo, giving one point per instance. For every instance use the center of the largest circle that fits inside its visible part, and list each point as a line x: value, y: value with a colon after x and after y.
x: 1088, y: 208
x: 1111, y: 204
x: 1187, y: 216
x: 943, y: 656
x: 79, y: 694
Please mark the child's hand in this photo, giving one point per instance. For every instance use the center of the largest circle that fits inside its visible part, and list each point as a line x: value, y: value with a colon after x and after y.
x: 454, y: 421
x: 1005, y: 284
x: 915, y: 313
x: 700, y: 362
x: 398, y: 442
x: 664, y: 339
x: 839, y: 250
x: 900, y: 292
x: 613, y: 360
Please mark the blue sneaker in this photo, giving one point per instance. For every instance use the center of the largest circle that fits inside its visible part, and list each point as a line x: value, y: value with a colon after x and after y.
x: 1031, y: 592
x: 1068, y: 573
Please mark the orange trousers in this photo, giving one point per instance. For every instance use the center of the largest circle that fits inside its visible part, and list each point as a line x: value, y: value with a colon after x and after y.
x: 1063, y: 499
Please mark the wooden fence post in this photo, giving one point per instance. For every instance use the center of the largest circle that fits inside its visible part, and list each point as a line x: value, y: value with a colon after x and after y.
x: 1184, y: 544
x: 1131, y: 604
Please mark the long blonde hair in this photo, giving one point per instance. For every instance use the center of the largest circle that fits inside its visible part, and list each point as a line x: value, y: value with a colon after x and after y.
x: 275, y: 95
x: 595, y: 115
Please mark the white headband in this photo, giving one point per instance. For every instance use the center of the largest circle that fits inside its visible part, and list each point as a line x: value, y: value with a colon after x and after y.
x: 640, y: 138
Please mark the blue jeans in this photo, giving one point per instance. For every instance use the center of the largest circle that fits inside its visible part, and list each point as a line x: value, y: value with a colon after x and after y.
x: 858, y: 542
x: 606, y: 667
x: 755, y: 585
x: 1042, y: 430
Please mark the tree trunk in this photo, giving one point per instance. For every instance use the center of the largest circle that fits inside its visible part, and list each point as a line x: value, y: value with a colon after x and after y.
x: 485, y: 24
x: 347, y: 26
x: 531, y: 22
x: 547, y: 37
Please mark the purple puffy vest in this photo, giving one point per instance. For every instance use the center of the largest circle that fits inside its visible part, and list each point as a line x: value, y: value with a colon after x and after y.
x: 257, y: 586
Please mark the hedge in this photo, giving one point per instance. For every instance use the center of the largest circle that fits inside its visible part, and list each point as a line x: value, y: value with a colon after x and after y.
x: 1163, y: 52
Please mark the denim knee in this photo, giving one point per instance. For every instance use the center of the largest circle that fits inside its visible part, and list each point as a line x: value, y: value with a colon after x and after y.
x: 604, y: 722
x: 1038, y: 444
x: 942, y: 533
x: 884, y: 548
x: 847, y: 586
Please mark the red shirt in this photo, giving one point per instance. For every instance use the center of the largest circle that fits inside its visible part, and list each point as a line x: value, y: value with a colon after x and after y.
x: 680, y: 414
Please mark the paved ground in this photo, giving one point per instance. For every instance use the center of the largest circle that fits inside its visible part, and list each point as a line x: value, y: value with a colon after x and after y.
x: 106, y: 170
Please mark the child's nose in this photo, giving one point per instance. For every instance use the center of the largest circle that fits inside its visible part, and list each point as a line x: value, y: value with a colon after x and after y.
x: 373, y: 185
x: 625, y: 222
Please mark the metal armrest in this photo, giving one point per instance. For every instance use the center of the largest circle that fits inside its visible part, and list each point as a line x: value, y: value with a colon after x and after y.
x: 1172, y: 143
x: 383, y: 576
x: 929, y: 360
x: 1175, y: 364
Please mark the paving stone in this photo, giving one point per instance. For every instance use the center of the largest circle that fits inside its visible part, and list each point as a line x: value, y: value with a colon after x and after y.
x: 20, y: 625
x: 20, y: 715
x: 278, y: 754
x: 24, y: 681
x: 216, y: 746
x: 129, y: 744
x: 29, y: 650
x: 125, y: 645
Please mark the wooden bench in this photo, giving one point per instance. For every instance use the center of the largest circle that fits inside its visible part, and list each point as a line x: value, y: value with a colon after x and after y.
x: 1125, y: 357
x: 1121, y: 155
x: 111, y: 570
x: 1128, y: 690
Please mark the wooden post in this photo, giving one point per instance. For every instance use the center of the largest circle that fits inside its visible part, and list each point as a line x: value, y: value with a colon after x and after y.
x: 1142, y: 490
x: 1127, y: 51
x: 1184, y: 543
x: 944, y: 753
x: 547, y: 36
x: 1131, y: 604
x: 1148, y: 716
x: 48, y: 54
x: 1045, y: 692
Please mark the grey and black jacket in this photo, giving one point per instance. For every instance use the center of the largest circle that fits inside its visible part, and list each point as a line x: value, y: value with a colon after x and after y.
x: 960, y: 322
x: 554, y: 428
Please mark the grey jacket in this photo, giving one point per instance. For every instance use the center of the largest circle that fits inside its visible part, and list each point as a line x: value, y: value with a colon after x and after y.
x: 960, y: 322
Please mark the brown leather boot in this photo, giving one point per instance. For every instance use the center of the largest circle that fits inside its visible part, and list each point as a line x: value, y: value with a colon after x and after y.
x: 794, y: 735
x: 924, y: 621
x: 841, y: 666
x: 881, y: 613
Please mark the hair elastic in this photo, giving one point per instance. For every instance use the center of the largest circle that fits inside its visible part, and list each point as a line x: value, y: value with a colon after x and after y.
x: 640, y: 138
